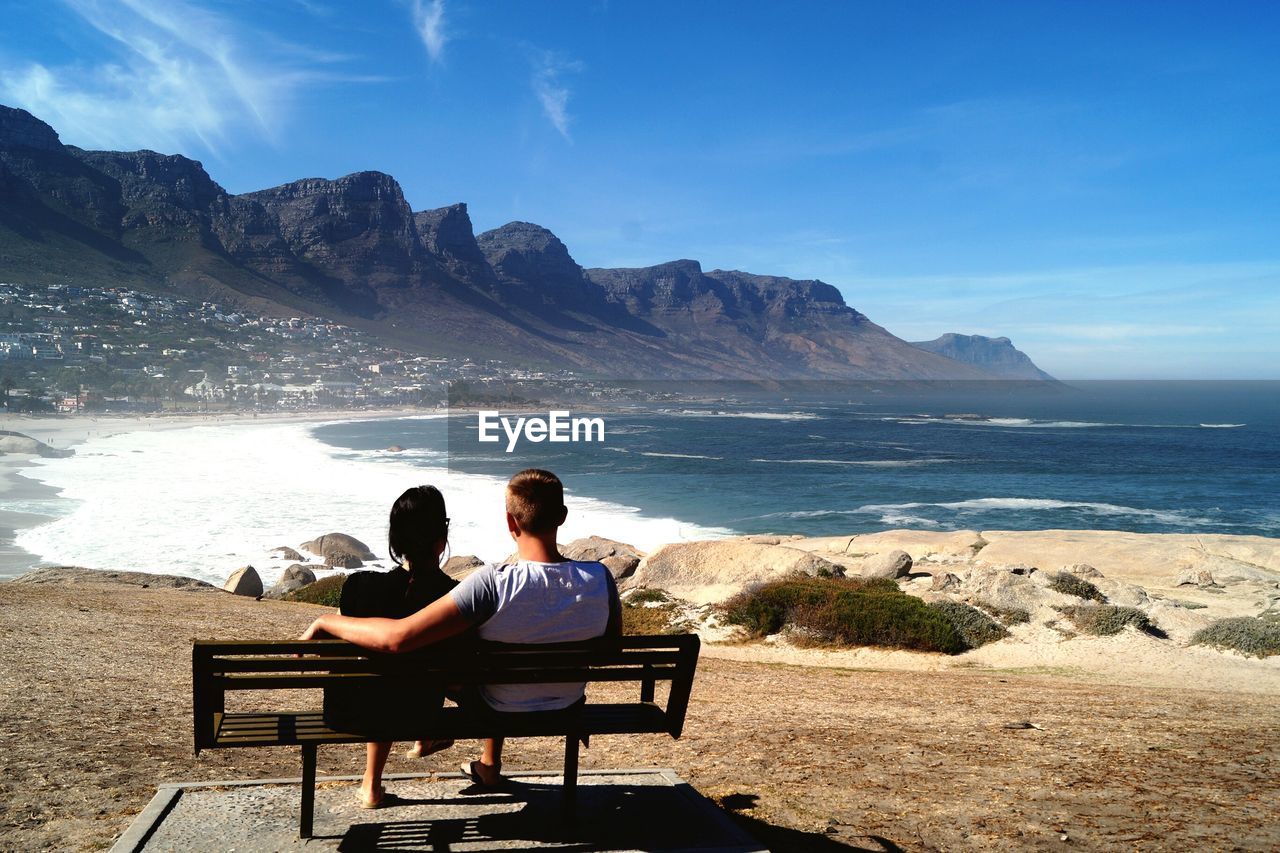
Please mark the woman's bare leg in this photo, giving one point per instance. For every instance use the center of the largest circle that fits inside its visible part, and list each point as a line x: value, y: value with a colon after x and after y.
x: 375, y: 758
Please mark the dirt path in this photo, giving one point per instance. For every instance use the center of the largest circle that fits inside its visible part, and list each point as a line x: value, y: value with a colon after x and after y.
x: 95, y: 710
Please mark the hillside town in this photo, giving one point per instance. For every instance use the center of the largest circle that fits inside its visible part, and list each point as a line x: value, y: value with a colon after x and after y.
x: 74, y: 348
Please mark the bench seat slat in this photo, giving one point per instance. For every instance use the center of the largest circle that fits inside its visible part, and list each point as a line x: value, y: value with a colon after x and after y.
x: 297, y: 681
x: 293, y: 728
x: 397, y: 665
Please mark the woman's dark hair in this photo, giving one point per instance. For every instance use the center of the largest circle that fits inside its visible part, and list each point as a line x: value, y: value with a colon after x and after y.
x: 418, y: 522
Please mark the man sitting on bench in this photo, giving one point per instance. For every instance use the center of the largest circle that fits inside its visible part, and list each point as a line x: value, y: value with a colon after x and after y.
x: 540, y: 598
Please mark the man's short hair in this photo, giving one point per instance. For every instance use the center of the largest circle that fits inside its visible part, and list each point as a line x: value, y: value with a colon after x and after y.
x: 535, y: 499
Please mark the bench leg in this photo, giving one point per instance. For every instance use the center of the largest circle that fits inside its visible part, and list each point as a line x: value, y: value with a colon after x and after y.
x: 308, y: 789
x: 570, y: 778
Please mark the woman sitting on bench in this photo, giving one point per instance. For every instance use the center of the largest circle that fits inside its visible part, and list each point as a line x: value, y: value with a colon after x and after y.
x: 418, y: 534
x: 541, y: 597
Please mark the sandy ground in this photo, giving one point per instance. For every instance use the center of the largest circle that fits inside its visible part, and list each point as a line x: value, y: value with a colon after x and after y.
x: 95, y: 687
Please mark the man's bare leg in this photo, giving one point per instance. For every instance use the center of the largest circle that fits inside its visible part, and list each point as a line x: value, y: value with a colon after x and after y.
x: 489, y: 767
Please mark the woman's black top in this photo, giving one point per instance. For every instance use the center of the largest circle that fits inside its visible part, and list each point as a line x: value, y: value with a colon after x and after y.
x: 377, y: 711
x: 394, y: 594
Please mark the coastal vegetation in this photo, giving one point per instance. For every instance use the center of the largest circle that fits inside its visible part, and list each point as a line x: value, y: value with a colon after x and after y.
x: 1005, y: 615
x: 649, y: 611
x: 1074, y: 585
x: 844, y: 612
x: 1104, y: 620
x: 975, y: 627
x: 326, y: 591
x: 1249, y: 635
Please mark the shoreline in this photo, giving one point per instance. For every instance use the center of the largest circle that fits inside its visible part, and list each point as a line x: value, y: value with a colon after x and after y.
x: 69, y: 431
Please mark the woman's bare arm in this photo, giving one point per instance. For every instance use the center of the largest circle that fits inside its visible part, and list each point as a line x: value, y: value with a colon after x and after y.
x: 438, y: 621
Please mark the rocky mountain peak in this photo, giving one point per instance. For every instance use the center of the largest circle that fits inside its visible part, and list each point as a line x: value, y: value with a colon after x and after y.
x: 995, y: 355
x: 447, y: 231
x: 522, y: 250
x: 146, y: 176
x: 20, y: 129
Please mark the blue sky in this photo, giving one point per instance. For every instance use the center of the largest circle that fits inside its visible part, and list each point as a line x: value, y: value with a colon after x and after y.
x: 1098, y: 181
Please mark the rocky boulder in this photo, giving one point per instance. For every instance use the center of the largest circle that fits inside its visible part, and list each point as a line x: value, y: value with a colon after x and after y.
x: 339, y: 550
x: 287, y: 553
x: 707, y: 572
x: 892, y: 564
x: 850, y: 551
x: 294, y: 578
x: 67, y: 575
x: 459, y: 567
x: 244, y: 581
x: 943, y: 581
x: 619, y: 558
x: 16, y: 442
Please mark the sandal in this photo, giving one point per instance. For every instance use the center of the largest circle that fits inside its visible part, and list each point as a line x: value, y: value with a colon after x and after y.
x: 372, y: 802
x: 470, y: 772
x: 432, y: 748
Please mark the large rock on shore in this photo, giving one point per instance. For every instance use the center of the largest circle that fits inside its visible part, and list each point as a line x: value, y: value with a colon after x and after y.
x: 893, y: 565
x: 459, y: 567
x: 619, y: 558
x: 339, y: 550
x: 294, y: 578
x: 706, y: 572
x: 16, y: 442
x: 851, y: 550
x: 1150, y: 560
x: 66, y: 575
x: 244, y: 581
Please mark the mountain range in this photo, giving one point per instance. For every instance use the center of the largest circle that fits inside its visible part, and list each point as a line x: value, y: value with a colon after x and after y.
x: 353, y: 250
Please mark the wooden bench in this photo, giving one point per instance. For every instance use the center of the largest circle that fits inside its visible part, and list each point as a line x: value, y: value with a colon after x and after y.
x: 219, y: 668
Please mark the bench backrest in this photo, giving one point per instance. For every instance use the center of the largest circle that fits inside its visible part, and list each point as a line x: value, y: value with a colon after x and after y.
x: 219, y: 667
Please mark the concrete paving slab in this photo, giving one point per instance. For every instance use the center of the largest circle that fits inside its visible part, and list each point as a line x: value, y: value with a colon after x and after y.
x: 617, y: 810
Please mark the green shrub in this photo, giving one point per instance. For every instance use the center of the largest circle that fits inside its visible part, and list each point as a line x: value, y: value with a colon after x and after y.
x: 846, y: 612
x: 649, y: 611
x: 1007, y: 615
x: 648, y: 596
x: 326, y: 591
x: 1249, y: 635
x: 1069, y: 584
x: 1103, y: 620
x: 975, y: 627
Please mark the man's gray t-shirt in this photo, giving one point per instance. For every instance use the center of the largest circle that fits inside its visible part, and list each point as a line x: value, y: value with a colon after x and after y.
x: 530, y: 602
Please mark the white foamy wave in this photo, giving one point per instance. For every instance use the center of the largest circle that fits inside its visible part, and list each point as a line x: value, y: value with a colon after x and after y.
x: 869, y: 463
x: 206, y: 500
x: 761, y: 416
x: 679, y: 456
x: 1222, y: 426
x: 1040, y: 504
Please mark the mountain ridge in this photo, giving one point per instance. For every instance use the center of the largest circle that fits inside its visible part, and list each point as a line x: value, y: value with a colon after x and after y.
x: 353, y: 249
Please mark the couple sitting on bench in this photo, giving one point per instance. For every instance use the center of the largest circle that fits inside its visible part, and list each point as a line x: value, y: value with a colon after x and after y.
x: 541, y: 597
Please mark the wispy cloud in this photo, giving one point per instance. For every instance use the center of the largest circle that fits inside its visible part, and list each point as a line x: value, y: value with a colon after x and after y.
x: 551, y: 90
x: 179, y: 76
x: 428, y: 20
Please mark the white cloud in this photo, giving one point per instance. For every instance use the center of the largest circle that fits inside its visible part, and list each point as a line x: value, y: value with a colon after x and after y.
x: 180, y: 76
x: 551, y: 90
x: 428, y: 20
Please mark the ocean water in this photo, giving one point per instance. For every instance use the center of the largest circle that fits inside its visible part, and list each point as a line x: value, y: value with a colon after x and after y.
x: 1151, y: 457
